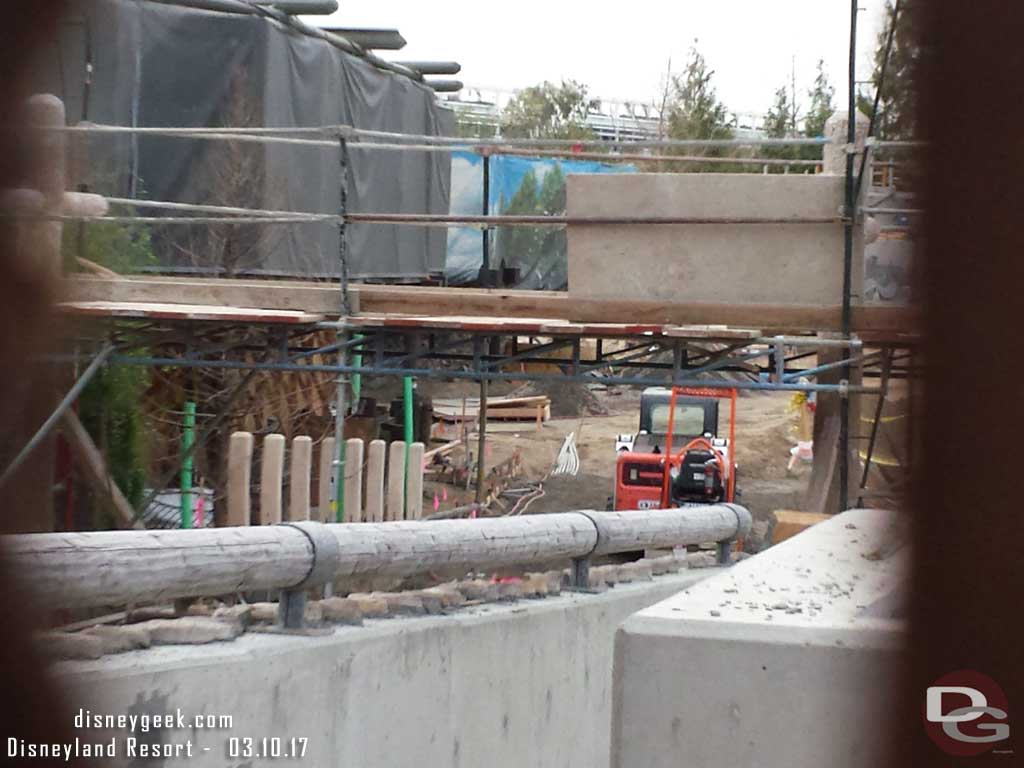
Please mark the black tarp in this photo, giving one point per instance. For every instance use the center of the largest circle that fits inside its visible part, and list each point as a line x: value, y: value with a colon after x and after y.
x: 163, y: 65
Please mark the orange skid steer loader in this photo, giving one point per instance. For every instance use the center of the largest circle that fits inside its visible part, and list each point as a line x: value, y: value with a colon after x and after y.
x: 653, y: 473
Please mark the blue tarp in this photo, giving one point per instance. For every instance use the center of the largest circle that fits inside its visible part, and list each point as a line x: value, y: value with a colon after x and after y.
x: 538, y: 253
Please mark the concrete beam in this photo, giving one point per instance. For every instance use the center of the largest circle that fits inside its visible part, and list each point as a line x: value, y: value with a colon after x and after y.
x: 798, y: 264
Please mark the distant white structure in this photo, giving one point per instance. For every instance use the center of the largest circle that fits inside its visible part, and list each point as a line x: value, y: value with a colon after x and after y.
x: 614, y: 119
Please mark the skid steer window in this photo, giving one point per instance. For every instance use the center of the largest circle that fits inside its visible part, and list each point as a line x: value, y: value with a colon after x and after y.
x: 689, y: 420
x: 641, y: 474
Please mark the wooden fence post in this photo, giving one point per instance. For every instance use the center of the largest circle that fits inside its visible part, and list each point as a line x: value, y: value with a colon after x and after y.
x: 375, y: 482
x: 353, y: 480
x: 396, y: 481
x: 414, y: 483
x: 271, y: 478
x: 324, y: 512
x: 298, y: 486
x: 240, y: 479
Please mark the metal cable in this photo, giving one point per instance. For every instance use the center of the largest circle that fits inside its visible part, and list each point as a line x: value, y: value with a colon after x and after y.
x: 424, y: 142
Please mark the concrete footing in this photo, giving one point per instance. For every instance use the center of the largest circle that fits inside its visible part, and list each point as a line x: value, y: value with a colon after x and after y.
x: 524, y: 683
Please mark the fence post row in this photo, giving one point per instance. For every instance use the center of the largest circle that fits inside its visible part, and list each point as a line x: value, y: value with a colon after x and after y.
x: 388, y: 493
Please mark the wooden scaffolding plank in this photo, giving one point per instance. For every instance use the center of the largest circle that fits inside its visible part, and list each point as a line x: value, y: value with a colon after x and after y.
x: 504, y: 305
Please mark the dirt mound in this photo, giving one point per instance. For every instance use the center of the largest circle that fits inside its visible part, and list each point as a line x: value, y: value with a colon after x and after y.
x: 568, y: 398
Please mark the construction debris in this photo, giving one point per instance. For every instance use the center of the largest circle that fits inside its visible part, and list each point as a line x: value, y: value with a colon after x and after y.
x: 530, y: 408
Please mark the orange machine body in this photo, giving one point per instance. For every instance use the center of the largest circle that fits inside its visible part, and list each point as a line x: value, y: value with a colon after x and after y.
x: 643, y: 479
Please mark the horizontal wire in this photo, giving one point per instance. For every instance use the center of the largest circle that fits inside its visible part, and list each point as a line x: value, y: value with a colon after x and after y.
x: 894, y: 211
x: 556, y: 220
x: 495, y: 147
x: 410, y: 140
x: 649, y: 158
x: 183, y: 219
x: 766, y: 142
x: 224, y: 209
x: 427, y: 220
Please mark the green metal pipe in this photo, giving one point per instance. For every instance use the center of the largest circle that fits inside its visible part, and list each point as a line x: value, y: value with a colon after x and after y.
x: 187, y: 439
x: 357, y: 378
x: 407, y: 419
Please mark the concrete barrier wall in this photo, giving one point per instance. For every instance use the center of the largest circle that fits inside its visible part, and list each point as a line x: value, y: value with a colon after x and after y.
x: 786, y: 264
x: 787, y: 659
x: 518, y: 684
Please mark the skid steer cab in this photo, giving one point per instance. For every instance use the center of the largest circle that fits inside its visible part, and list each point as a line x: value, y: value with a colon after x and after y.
x: 677, y: 458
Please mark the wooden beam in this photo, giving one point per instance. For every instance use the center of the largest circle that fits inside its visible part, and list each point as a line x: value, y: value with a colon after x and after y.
x: 95, y: 469
x: 322, y: 298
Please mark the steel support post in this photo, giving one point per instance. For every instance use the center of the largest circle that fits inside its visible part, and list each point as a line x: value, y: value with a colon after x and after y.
x: 341, y: 397
x: 848, y: 225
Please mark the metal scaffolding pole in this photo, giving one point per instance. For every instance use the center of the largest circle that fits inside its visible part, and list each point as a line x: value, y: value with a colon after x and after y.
x: 51, y: 422
x: 850, y: 214
x: 341, y: 398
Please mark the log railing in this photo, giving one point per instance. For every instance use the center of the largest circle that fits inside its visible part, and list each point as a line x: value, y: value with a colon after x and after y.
x: 111, y: 568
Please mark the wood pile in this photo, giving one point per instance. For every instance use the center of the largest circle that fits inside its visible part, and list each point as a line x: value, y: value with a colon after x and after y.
x: 531, y: 408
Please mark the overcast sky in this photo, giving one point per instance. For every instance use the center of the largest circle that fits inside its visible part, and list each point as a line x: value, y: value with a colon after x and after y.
x: 621, y: 54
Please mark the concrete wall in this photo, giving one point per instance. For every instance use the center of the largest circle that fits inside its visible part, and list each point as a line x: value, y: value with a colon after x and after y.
x: 789, y: 264
x: 520, y: 684
x: 787, y: 659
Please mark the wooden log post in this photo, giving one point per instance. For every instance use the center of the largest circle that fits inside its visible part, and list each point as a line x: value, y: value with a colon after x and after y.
x: 414, y: 483
x: 240, y: 479
x: 353, y: 480
x: 299, y: 473
x: 395, y: 509
x: 49, y: 164
x: 325, y: 481
x: 271, y: 477
x: 375, y: 482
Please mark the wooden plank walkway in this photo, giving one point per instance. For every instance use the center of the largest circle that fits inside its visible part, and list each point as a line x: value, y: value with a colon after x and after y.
x: 536, y: 312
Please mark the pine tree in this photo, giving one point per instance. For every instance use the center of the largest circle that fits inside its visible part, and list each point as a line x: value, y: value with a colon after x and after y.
x: 694, y: 110
x: 820, y: 110
x: 778, y: 122
x: 897, y: 103
x: 821, y: 107
x: 514, y: 243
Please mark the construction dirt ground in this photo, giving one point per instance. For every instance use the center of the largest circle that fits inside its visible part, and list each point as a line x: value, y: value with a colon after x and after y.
x: 766, y: 425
